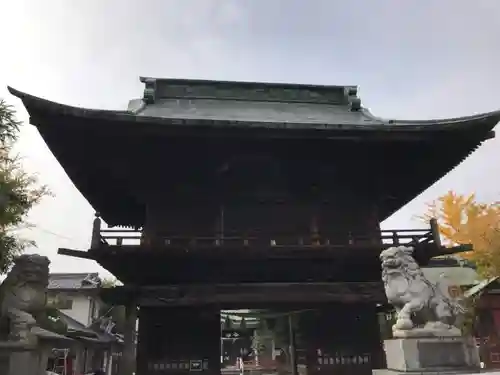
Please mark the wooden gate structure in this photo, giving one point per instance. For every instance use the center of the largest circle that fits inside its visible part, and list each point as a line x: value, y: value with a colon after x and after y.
x: 238, y: 194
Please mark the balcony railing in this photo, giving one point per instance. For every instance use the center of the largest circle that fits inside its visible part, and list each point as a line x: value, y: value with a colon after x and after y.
x: 132, y: 237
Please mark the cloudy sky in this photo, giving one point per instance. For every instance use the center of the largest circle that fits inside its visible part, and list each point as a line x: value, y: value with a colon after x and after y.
x: 413, y: 59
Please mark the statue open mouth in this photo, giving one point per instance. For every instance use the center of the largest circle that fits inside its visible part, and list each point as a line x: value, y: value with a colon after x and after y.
x: 391, y: 263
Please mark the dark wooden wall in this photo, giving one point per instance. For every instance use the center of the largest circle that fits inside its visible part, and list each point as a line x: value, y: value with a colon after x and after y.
x: 262, y: 184
x: 342, y: 339
x: 336, y: 217
x: 279, y: 186
x: 171, y: 338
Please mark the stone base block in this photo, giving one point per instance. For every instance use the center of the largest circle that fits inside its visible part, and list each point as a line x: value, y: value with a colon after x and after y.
x: 15, y: 361
x: 454, y: 372
x: 432, y: 355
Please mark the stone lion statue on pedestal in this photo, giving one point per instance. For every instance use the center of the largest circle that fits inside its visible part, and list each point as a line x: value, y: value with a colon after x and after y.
x: 23, y: 294
x: 421, y: 307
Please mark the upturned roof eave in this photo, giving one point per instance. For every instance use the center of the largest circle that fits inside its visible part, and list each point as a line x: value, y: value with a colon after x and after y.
x: 39, y: 105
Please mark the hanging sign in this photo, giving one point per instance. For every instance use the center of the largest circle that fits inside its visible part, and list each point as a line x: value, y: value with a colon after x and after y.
x: 454, y: 291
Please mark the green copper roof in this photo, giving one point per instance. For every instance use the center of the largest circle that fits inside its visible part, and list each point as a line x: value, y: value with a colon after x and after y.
x: 249, y: 112
x: 176, y: 102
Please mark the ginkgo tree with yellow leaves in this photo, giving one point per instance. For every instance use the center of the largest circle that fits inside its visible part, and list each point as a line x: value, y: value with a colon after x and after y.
x: 464, y: 220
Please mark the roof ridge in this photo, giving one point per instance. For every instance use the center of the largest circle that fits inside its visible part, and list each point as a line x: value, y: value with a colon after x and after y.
x: 196, y: 81
x: 73, y: 273
x: 155, y: 89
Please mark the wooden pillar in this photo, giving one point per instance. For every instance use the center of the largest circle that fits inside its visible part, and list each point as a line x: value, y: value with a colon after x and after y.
x: 108, y: 365
x: 79, y: 362
x: 97, y: 357
x: 128, y: 361
x: 89, y: 358
x: 435, y: 232
x: 43, y: 357
x: 315, y: 236
x: 96, y: 232
x: 293, y: 348
x: 374, y: 225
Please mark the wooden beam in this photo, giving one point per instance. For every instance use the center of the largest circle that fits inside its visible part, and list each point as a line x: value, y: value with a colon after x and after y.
x: 455, y: 249
x: 243, y: 295
x: 427, y: 250
x: 75, y: 253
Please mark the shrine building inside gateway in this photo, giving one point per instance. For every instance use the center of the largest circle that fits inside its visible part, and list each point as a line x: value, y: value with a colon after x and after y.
x: 213, y: 195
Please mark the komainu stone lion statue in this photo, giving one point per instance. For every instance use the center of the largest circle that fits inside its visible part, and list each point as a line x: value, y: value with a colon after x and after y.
x: 23, y: 294
x: 421, y: 307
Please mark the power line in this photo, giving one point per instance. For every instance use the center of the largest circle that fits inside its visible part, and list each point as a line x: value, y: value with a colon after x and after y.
x: 35, y: 226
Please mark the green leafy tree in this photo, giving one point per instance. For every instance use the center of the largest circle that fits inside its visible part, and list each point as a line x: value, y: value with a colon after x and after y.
x: 19, y: 191
x: 109, y: 282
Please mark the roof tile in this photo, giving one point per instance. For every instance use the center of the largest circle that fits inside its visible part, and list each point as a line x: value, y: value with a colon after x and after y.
x: 74, y: 281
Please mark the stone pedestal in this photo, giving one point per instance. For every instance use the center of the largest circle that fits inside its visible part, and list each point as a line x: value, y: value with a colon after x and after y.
x: 443, y: 355
x: 19, y: 360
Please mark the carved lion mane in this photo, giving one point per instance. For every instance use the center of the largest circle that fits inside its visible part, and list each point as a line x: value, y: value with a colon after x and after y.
x: 399, y: 261
x: 22, y: 295
x: 417, y: 301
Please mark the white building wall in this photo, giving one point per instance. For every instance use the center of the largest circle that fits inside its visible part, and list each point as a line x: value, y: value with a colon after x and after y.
x: 81, y: 309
